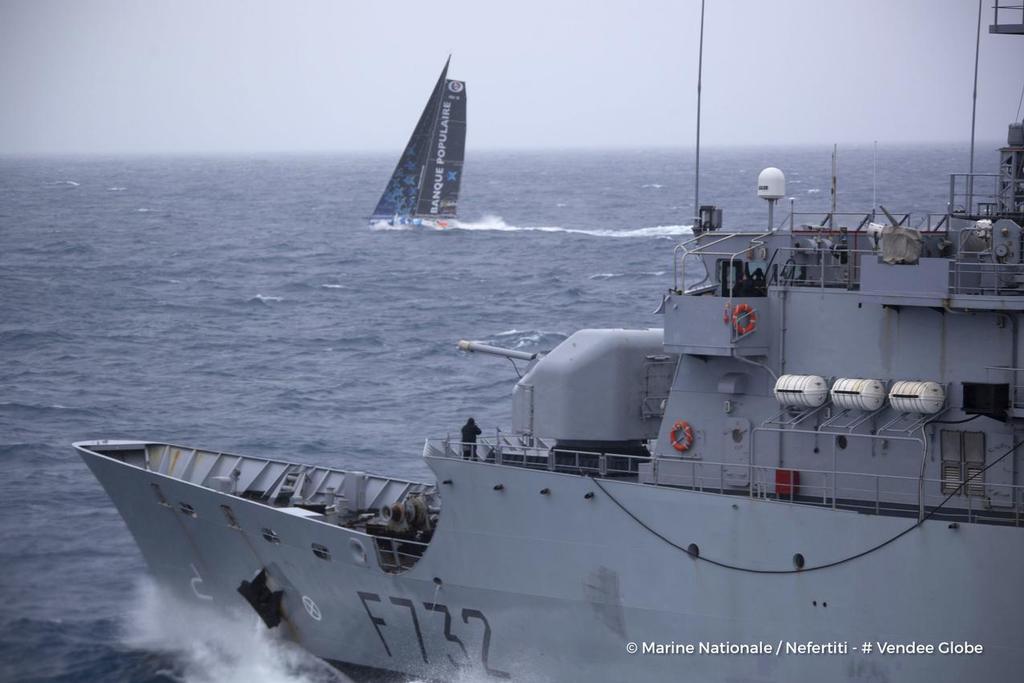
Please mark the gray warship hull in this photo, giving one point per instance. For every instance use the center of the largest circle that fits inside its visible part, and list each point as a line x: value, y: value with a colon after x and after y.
x: 555, y: 585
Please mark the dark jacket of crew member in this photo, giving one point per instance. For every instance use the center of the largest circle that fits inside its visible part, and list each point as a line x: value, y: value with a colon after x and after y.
x: 469, y: 434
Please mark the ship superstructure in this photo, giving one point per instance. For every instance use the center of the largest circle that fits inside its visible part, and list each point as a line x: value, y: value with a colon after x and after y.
x: 821, y: 446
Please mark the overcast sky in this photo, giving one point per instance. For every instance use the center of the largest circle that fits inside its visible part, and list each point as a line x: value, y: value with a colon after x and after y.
x: 339, y: 75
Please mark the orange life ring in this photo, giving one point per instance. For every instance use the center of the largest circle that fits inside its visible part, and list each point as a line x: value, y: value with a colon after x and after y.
x: 681, y: 435
x: 738, y: 313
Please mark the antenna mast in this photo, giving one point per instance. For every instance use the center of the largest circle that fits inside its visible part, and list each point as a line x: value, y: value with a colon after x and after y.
x: 832, y: 214
x: 874, y: 180
x: 700, y: 69
x: 974, y: 109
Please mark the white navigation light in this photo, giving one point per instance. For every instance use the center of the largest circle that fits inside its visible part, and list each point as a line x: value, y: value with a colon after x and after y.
x: 771, y: 184
x: 909, y: 396
x: 858, y: 394
x: 801, y: 391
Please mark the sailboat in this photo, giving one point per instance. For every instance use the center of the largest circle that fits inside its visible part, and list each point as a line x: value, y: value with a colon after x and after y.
x: 424, y: 188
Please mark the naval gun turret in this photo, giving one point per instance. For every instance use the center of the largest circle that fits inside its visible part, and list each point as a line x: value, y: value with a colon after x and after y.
x: 600, y: 390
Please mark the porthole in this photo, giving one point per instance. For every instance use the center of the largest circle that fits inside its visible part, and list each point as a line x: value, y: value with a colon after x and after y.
x: 322, y: 552
x: 270, y: 536
x: 693, y: 550
x: 798, y: 561
x: 841, y: 442
x: 187, y: 509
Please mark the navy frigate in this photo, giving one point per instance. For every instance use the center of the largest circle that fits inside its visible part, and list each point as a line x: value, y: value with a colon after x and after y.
x: 812, y: 472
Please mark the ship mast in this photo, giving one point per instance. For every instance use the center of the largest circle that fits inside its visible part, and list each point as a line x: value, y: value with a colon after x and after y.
x: 974, y: 107
x: 696, y: 181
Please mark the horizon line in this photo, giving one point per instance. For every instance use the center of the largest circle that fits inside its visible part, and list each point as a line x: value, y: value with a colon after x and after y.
x: 381, y: 151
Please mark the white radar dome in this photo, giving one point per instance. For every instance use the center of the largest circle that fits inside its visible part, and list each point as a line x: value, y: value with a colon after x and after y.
x: 771, y: 184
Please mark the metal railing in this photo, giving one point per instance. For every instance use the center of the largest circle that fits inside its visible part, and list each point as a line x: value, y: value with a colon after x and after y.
x: 999, y: 6
x: 826, y: 253
x: 980, y: 271
x: 986, y: 277
x: 507, y: 452
x: 395, y: 555
x: 824, y: 266
x: 882, y: 494
x: 858, y: 222
x: 1014, y: 379
x: 969, y: 194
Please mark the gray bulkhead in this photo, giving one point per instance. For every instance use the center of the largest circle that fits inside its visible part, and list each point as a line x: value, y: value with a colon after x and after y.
x: 936, y: 319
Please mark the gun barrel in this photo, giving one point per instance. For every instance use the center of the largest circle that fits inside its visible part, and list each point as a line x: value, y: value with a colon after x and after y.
x: 477, y: 347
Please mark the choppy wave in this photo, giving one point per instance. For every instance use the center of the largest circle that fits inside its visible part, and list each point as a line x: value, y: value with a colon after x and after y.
x: 615, y: 276
x: 39, y: 410
x: 265, y: 299
x: 652, y: 186
x: 212, y: 647
x: 28, y: 339
x: 529, y: 340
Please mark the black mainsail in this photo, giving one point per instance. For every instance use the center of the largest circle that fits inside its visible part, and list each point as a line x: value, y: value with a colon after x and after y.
x: 426, y: 180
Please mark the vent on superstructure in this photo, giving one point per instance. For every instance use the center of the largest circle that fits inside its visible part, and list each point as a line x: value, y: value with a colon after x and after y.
x: 950, y: 477
x: 976, y: 485
x: 963, y: 457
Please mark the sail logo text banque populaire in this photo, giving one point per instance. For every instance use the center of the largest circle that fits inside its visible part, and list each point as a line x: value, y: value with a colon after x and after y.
x: 442, y: 137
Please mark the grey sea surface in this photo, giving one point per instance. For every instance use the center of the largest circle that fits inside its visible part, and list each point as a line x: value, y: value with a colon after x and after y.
x: 244, y: 304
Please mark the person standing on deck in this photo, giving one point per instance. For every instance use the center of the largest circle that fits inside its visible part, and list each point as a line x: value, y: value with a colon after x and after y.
x: 469, y: 434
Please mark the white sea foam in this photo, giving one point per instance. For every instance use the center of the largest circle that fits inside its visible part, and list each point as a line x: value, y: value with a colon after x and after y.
x: 491, y: 223
x: 498, y: 224
x: 384, y: 225
x: 116, y: 189
x: 813, y: 190
x: 143, y: 210
x: 613, y: 276
x: 653, y: 186
x: 518, y: 339
x: 266, y: 299
x: 330, y: 286
x: 218, y: 647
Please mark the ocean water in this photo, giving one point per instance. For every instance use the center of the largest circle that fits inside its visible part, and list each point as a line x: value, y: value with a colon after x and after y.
x: 243, y: 304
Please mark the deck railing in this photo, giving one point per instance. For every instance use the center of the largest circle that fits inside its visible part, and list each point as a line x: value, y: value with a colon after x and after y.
x: 395, y: 555
x: 974, y: 194
x: 883, y: 494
